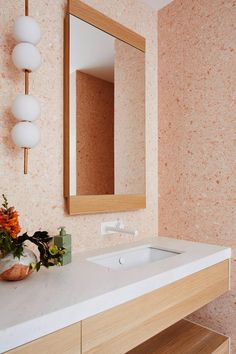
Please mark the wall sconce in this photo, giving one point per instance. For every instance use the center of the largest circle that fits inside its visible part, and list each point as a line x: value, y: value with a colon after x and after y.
x: 26, y: 108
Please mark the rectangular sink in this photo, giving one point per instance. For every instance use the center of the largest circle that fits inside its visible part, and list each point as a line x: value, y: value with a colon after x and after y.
x: 132, y: 257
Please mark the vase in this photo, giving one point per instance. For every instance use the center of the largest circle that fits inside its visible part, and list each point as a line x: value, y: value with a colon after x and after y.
x: 14, y: 268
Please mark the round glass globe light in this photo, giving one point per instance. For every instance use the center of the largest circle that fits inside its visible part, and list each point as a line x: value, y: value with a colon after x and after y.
x: 26, y: 29
x: 26, y: 107
x: 25, y: 135
x: 26, y: 56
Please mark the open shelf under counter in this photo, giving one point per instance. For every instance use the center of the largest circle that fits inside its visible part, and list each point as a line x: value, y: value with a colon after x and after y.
x: 184, y: 337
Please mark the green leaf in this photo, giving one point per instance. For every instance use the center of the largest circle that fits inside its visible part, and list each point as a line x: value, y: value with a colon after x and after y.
x: 38, y: 265
x: 5, y: 203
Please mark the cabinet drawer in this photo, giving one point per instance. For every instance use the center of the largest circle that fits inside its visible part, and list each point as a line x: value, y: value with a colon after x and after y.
x: 64, y: 341
x: 126, y: 326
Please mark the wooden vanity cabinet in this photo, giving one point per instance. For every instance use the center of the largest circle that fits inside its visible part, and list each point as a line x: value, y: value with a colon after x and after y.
x: 64, y: 341
x: 126, y: 327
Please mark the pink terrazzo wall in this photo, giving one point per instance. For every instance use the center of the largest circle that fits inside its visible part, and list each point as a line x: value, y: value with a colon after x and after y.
x: 95, y: 135
x: 39, y: 195
x: 197, y: 134
x: 129, y: 119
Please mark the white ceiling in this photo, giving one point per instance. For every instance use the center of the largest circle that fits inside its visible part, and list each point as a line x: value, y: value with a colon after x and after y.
x: 157, y: 4
x: 91, y: 50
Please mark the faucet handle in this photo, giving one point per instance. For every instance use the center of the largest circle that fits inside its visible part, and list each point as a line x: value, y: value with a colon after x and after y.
x: 119, y: 223
x: 117, y: 226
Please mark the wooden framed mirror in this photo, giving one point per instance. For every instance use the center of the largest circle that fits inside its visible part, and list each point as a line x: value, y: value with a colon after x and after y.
x: 104, y: 114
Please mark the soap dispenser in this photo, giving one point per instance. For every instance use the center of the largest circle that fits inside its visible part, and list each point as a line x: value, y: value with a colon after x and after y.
x: 64, y: 240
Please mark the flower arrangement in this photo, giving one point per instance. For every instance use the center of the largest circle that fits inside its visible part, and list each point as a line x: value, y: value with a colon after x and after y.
x: 11, y: 243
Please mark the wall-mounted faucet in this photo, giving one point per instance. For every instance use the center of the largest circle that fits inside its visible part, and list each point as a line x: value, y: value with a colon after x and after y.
x: 117, y: 226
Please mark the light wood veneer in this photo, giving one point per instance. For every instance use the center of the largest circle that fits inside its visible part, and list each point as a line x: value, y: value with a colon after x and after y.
x: 185, y: 337
x: 126, y: 326
x: 87, y: 204
x: 64, y: 341
x: 101, y: 21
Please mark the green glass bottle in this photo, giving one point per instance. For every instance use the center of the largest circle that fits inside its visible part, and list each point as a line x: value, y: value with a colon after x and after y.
x: 64, y: 240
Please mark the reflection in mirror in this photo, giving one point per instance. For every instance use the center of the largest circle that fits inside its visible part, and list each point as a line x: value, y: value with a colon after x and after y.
x: 107, y: 113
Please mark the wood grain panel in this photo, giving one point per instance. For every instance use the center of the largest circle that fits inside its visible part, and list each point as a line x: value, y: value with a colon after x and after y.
x: 87, y: 204
x: 185, y: 337
x: 64, y: 341
x: 223, y: 349
x: 66, y: 129
x: 99, y: 20
x: 126, y: 326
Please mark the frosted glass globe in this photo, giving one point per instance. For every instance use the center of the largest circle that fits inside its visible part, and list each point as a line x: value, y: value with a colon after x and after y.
x: 25, y: 135
x: 26, y: 56
x: 26, y: 29
x: 26, y: 107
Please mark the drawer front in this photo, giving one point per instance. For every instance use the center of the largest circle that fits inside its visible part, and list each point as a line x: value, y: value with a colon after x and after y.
x: 122, y: 328
x: 64, y: 341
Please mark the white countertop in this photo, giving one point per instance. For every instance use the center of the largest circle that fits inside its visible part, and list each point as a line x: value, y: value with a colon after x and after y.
x: 56, y: 298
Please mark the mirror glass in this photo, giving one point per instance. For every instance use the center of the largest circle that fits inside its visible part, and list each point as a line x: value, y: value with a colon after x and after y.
x: 107, y: 113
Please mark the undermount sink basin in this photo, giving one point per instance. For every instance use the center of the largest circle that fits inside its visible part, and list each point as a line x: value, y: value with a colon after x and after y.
x: 132, y: 257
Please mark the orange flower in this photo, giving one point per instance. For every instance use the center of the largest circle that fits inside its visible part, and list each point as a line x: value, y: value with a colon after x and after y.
x: 9, y: 221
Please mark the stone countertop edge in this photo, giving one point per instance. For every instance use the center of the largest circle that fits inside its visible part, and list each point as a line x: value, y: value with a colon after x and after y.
x: 198, y: 256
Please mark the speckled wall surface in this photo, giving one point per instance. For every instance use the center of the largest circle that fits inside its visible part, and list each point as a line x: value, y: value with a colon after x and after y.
x: 197, y: 134
x: 95, y: 135
x: 39, y: 195
x: 129, y: 119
